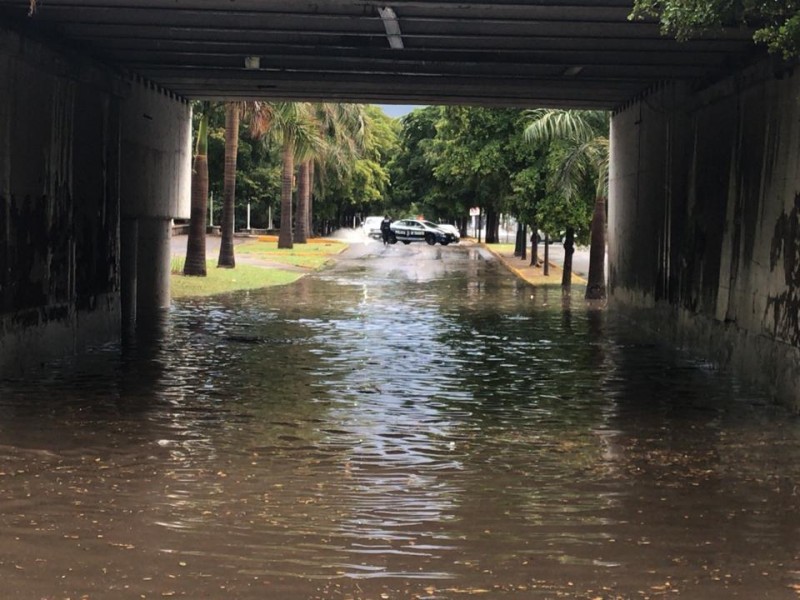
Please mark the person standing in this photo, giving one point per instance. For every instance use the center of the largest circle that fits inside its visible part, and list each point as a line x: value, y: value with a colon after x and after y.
x: 386, y: 229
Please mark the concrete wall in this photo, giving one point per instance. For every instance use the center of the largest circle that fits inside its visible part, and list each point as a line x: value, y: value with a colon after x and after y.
x: 59, y: 209
x: 71, y: 135
x: 704, y: 221
x: 156, y: 153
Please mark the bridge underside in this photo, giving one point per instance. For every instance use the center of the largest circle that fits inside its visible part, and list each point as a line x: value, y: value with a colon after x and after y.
x: 576, y: 53
x: 704, y: 198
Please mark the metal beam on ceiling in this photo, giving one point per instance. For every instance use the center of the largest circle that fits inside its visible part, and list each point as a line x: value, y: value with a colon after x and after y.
x: 505, y: 52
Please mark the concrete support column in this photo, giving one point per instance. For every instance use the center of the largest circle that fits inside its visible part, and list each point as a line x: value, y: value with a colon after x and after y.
x: 153, y: 262
x: 129, y: 242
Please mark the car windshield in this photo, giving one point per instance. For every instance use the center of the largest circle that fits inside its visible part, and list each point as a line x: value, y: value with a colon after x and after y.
x: 430, y: 224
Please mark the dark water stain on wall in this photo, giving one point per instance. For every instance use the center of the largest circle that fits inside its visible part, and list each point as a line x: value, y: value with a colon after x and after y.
x: 785, y: 307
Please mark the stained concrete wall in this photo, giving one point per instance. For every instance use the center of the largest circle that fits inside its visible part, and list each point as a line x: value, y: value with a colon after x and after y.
x: 59, y: 208
x: 71, y: 134
x: 704, y: 221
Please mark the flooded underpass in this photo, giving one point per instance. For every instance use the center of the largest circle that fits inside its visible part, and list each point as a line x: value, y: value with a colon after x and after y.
x: 412, y: 423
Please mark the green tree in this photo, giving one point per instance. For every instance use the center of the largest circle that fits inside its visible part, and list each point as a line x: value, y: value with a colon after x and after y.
x: 584, y: 136
x: 452, y: 159
x: 411, y: 167
x: 776, y: 22
x: 473, y: 158
x: 353, y: 175
x: 342, y: 133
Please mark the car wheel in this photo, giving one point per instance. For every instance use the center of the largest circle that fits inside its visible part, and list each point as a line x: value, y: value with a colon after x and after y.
x: 406, y: 242
x: 392, y: 238
x: 430, y: 238
x: 444, y: 242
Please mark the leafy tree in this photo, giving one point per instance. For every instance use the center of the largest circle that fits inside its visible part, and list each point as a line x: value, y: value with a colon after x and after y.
x: 411, y: 167
x: 452, y: 159
x: 584, y: 138
x: 777, y: 22
x: 258, y: 178
x: 474, y: 158
x: 353, y: 175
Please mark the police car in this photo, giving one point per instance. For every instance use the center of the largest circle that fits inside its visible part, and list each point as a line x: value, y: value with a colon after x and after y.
x: 411, y: 230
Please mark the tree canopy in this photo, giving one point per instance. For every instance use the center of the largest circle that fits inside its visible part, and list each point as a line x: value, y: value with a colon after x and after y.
x: 437, y: 161
x: 776, y: 22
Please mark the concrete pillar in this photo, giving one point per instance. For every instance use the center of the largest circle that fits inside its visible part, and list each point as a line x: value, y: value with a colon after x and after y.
x: 153, y: 262
x: 155, y: 188
x: 129, y: 237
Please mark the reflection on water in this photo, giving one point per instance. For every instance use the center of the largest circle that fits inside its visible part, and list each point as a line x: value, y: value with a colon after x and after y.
x: 414, y: 423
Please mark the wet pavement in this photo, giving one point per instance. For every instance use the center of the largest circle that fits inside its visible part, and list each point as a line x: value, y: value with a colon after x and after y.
x: 414, y: 422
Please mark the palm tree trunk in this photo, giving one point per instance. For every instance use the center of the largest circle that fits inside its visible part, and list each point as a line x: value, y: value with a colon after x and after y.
x: 596, y: 286
x: 301, y: 219
x: 196, y: 244
x: 311, y: 198
x: 285, y: 235
x: 226, y: 256
x: 569, y: 249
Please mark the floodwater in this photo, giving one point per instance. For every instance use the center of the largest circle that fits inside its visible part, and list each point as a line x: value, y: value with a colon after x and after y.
x: 413, y: 423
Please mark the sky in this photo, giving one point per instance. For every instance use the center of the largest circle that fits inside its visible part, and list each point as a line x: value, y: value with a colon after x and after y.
x: 398, y: 110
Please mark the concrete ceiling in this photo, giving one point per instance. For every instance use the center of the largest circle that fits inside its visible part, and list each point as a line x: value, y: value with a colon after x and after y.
x: 565, y: 53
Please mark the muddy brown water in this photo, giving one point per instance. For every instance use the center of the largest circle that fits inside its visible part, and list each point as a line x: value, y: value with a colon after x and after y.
x: 413, y: 423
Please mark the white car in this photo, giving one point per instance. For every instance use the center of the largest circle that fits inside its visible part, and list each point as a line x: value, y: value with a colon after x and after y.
x: 447, y: 228
x: 372, y: 227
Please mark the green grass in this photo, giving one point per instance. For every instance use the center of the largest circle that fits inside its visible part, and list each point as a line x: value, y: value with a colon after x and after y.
x: 311, y: 256
x: 220, y: 281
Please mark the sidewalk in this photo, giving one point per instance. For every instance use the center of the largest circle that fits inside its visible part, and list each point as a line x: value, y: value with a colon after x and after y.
x: 524, y: 270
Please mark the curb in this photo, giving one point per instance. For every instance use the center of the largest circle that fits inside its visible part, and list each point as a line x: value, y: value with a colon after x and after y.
x: 519, y: 272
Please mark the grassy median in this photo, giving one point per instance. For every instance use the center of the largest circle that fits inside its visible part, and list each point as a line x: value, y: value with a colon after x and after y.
x: 267, y: 266
x: 312, y: 255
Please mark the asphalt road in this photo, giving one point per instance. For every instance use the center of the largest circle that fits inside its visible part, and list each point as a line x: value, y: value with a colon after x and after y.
x: 580, y: 258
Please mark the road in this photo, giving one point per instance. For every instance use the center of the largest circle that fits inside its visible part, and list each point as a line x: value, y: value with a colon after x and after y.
x: 580, y: 258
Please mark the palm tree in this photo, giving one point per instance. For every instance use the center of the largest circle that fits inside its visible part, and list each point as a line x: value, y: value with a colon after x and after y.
x: 585, y: 134
x: 227, y: 258
x: 259, y: 117
x: 342, y: 136
x: 196, y: 244
x: 303, y: 200
x: 295, y: 125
